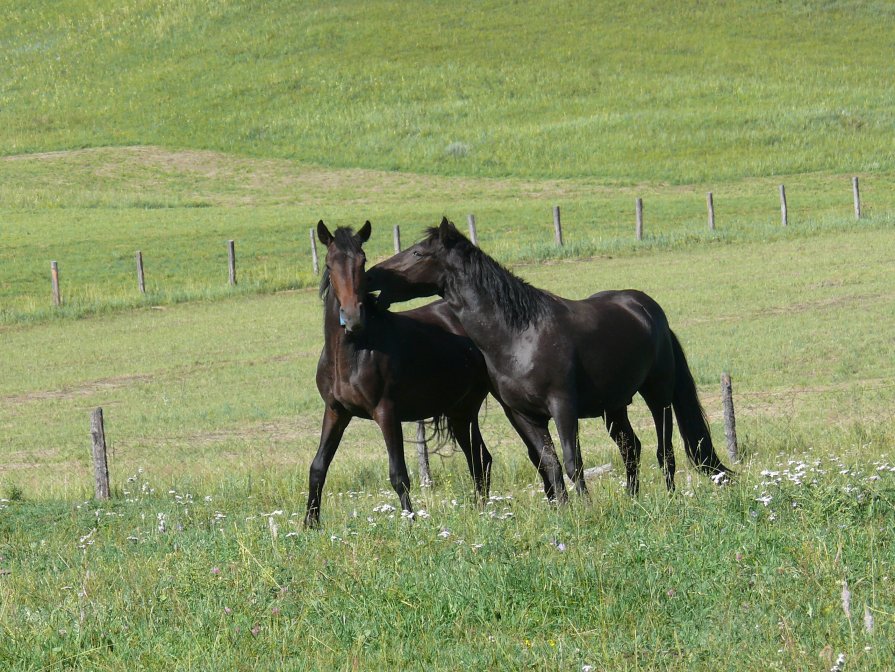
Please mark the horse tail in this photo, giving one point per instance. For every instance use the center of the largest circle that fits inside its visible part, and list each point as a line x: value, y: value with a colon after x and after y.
x: 442, y: 430
x: 691, y: 420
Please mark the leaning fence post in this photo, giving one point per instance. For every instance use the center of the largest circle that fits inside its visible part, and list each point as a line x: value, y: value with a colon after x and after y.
x: 231, y: 256
x: 783, y: 215
x: 141, y: 281
x: 423, y: 454
x: 54, y: 277
x: 314, y: 253
x: 100, y: 463
x: 638, y: 231
x: 710, y: 201
x: 397, y: 237
x: 557, y: 226
x: 857, y: 196
x: 730, y: 425
x: 473, y: 237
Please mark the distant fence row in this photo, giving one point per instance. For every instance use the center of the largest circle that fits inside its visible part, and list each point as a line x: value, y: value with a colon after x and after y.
x: 473, y: 235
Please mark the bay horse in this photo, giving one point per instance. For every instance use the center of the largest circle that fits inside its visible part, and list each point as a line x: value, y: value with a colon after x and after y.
x: 550, y: 357
x: 391, y: 368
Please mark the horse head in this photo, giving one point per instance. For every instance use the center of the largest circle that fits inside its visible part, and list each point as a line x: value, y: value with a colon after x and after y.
x: 420, y: 270
x: 345, y: 272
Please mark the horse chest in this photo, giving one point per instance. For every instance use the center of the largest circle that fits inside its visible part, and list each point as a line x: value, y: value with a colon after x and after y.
x: 354, y: 383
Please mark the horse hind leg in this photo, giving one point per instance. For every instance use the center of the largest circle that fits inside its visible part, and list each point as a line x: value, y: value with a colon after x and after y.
x: 393, y: 434
x: 662, y: 417
x: 622, y: 433
x: 658, y: 399
x: 467, y: 435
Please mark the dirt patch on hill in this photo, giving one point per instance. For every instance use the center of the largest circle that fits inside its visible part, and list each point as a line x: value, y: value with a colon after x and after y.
x: 74, y: 392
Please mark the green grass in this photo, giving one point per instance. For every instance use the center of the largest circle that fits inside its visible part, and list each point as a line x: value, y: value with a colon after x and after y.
x: 212, y: 418
x: 228, y: 385
x: 173, y: 127
x: 675, y: 92
x: 91, y: 211
x: 706, y: 580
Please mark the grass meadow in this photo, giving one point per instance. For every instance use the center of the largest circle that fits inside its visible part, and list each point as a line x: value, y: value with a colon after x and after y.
x: 172, y: 127
x: 199, y: 560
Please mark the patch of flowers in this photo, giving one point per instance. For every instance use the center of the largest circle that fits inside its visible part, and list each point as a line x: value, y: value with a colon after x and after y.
x: 785, y: 485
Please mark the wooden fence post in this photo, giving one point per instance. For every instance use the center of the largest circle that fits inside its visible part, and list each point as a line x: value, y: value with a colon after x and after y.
x: 100, y: 463
x: 231, y: 256
x: 141, y: 281
x: 638, y: 231
x: 54, y: 277
x: 857, y: 197
x: 473, y: 236
x: 711, y: 205
x: 783, y: 215
x: 314, y: 253
x: 423, y: 454
x: 397, y: 237
x: 557, y: 226
x: 730, y: 425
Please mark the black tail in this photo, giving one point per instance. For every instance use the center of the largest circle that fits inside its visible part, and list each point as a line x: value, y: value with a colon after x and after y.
x: 691, y: 418
x: 442, y: 431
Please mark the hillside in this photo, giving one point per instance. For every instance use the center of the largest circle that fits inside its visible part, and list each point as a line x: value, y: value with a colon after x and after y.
x: 618, y: 91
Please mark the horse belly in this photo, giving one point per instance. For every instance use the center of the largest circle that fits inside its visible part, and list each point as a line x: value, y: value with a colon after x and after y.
x: 420, y: 398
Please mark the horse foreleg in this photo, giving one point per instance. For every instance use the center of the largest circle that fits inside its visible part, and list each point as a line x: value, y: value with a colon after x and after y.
x: 334, y: 424
x: 628, y: 444
x: 390, y: 426
x: 542, y: 454
x: 566, y: 418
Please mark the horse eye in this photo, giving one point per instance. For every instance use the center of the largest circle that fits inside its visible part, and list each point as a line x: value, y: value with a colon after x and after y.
x: 417, y: 253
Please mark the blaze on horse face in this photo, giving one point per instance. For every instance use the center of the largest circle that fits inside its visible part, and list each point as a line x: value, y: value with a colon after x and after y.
x: 345, y: 262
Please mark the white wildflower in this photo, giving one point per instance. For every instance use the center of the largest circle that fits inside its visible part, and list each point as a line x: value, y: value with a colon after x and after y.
x: 383, y: 508
x: 840, y: 663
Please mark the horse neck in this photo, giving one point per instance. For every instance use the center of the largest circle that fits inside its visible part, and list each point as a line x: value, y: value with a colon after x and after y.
x: 478, y: 310
x: 333, y: 333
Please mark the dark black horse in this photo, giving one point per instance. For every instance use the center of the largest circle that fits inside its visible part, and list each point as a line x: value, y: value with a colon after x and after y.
x: 550, y: 357
x: 393, y: 368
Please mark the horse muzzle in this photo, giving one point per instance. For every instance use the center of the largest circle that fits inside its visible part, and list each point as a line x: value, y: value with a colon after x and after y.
x: 352, y: 320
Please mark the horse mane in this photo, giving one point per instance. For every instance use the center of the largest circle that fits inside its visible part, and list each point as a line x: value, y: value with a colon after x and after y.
x: 518, y: 302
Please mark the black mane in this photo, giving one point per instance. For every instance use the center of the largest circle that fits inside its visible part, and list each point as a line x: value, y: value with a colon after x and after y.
x: 519, y: 303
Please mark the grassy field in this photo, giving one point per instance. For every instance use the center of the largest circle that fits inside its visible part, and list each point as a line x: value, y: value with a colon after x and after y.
x: 622, y: 91
x: 91, y: 210
x: 171, y: 127
x: 200, y: 561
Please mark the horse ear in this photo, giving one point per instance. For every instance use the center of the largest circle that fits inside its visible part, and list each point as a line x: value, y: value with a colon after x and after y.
x: 364, y: 234
x: 323, y: 233
x: 447, y: 232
